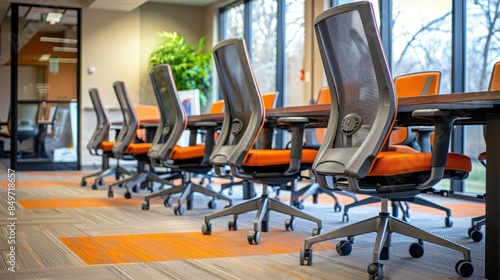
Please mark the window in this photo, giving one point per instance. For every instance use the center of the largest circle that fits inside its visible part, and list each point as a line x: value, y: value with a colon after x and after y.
x: 482, y: 44
x: 421, y: 38
x: 263, y: 42
x: 294, y: 53
x: 274, y: 32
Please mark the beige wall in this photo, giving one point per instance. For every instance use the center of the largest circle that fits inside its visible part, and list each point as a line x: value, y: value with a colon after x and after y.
x: 188, y: 21
x: 111, y: 44
x: 118, y: 44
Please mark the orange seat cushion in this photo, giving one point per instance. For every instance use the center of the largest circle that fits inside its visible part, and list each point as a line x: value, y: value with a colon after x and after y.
x: 106, y: 146
x: 190, y: 152
x: 482, y: 156
x: 276, y: 157
x: 5, y: 134
x: 391, y: 163
x: 138, y: 148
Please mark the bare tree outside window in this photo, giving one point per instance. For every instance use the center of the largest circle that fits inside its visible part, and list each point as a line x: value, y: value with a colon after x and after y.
x: 263, y: 43
x: 234, y: 21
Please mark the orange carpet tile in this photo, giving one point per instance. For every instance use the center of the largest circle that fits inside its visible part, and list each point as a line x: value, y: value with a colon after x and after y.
x: 77, y: 202
x: 39, y: 183
x: 184, y: 245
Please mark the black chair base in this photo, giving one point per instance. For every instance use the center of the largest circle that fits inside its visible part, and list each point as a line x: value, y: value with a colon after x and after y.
x: 263, y: 205
x: 448, y: 222
x: 315, y: 190
x: 186, y: 189
x: 384, y: 225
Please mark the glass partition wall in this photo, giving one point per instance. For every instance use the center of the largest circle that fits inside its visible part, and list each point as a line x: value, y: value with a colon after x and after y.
x: 42, y: 61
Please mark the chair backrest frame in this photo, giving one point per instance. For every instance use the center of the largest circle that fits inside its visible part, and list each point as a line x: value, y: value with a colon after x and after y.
x: 173, y: 117
x: 348, y: 34
x: 130, y: 122
x: 244, y: 112
x: 103, y: 122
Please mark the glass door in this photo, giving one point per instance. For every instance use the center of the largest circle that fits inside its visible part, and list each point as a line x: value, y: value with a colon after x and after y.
x: 44, y: 92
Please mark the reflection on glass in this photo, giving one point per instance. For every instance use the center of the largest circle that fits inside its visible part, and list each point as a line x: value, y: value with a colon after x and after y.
x: 263, y: 43
x: 421, y: 37
x: 47, y: 85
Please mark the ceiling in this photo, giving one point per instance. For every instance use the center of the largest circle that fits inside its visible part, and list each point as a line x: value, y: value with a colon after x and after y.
x: 129, y: 5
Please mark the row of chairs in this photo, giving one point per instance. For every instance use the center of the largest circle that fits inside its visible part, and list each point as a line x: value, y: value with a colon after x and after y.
x: 355, y: 155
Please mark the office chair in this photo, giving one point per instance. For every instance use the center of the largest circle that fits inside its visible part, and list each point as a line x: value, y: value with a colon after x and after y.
x: 269, y: 100
x: 27, y: 124
x: 314, y: 189
x: 127, y: 147
x: 244, y: 117
x: 100, y: 146
x: 418, y: 138
x: 355, y: 150
x: 165, y: 152
x: 477, y: 223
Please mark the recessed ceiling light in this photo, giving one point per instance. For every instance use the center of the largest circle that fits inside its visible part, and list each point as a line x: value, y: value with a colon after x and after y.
x: 58, y: 40
x: 65, y: 49
x: 53, y: 18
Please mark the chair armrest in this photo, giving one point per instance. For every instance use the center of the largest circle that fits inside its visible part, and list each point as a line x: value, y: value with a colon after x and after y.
x: 424, y: 137
x: 297, y: 124
x: 443, y: 121
x: 209, y: 129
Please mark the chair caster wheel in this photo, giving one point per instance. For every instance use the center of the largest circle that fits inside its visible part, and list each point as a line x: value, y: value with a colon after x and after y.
x: 94, y: 186
x: 168, y: 201
x: 476, y: 235
x: 345, y: 218
x: 101, y: 182
x: 306, y: 257
x: 376, y: 271
x: 179, y: 210
x: 290, y: 224
x: 128, y: 195
x: 212, y: 204
x: 337, y: 208
x: 206, y: 229
x: 111, y: 194
x: 136, y: 188
x: 448, y: 222
x: 416, y: 250
x: 316, y: 231
x: 464, y: 268
x: 299, y: 205
x: 469, y: 231
x: 232, y: 224
x: 344, y: 248
x: 145, y: 205
x: 253, y: 237
x: 83, y: 183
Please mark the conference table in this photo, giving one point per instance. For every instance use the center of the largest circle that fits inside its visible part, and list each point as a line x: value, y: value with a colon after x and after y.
x: 479, y: 108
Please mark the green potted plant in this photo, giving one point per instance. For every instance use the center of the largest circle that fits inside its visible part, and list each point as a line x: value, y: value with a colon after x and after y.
x: 191, y: 66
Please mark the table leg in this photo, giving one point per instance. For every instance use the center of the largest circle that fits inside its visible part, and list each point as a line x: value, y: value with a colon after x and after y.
x: 492, y: 241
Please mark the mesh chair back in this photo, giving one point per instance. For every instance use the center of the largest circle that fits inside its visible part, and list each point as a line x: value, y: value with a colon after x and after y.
x: 130, y: 122
x: 173, y: 118
x: 244, y: 109
x: 27, y: 120
x: 103, y: 124
x: 361, y: 89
